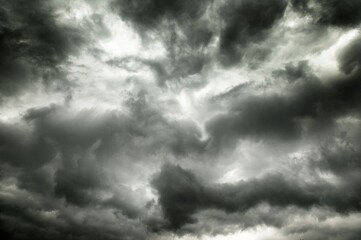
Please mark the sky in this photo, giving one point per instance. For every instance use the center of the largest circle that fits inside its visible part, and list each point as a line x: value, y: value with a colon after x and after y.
x: 180, y: 119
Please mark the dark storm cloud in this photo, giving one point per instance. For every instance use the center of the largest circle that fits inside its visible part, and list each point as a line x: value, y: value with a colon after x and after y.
x: 310, y: 106
x: 241, y: 22
x: 85, y: 128
x: 246, y: 21
x: 37, y: 181
x: 350, y: 57
x: 339, y: 13
x: 78, y: 183
x: 24, y: 148
x: 28, y: 220
x: 180, y: 25
x: 150, y: 13
x: 81, y: 129
x: 168, y: 16
x: 127, y: 207
x: 339, y: 156
x: 48, y: 133
x: 32, y: 43
x: 62, y: 156
x: 84, y: 142
x: 75, y: 170
x: 341, y: 160
x: 181, y: 195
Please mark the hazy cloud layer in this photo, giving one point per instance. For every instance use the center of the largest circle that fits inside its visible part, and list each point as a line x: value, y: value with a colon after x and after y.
x: 155, y: 119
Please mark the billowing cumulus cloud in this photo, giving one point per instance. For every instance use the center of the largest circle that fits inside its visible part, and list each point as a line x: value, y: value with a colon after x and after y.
x: 232, y: 119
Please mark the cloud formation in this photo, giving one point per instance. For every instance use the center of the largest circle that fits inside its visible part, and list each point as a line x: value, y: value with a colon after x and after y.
x: 246, y: 22
x: 182, y: 195
x: 33, y: 43
x: 335, y: 13
x: 154, y: 119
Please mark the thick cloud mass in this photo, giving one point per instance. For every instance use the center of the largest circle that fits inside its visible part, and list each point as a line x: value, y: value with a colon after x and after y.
x: 278, y: 116
x: 150, y: 13
x: 334, y: 12
x: 170, y: 119
x: 182, y: 195
x: 246, y: 22
x: 32, y: 43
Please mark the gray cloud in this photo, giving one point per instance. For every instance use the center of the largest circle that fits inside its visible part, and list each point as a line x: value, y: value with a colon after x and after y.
x: 23, y: 148
x: 334, y: 13
x: 33, y: 43
x: 182, y: 28
x: 33, y: 223
x: 246, y: 22
x: 283, y: 117
x: 349, y: 58
x: 182, y: 195
x: 150, y: 13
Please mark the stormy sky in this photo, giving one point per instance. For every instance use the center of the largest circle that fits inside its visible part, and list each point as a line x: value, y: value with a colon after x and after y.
x: 180, y: 119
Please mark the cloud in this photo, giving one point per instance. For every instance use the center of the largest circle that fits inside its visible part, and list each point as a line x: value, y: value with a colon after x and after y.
x: 37, y: 181
x: 333, y: 13
x: 244, y: 25
x: 24, y: 148
x: 82, y: 144
x: 46, y: 223
x: 238, y: 25
x: 33, y: 43
x: 149, y: 14
x: 160, y: 119
x: 182, y: 195
x: 172, y: 184
x: 349, y: 58
x: 339, y: 159
x: 285, y: 116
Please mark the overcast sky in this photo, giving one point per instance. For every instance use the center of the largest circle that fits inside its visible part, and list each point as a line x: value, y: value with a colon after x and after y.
x: 180, y: 119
